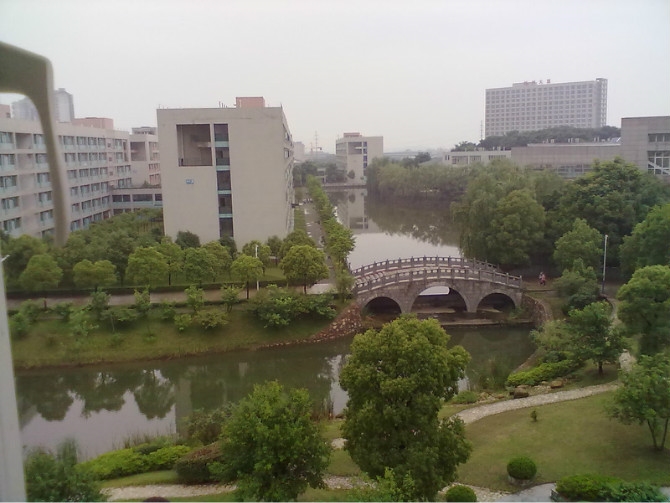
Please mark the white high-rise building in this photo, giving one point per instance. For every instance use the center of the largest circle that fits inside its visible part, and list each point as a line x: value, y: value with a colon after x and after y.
x: 227, y: 171
x: 531, y: 106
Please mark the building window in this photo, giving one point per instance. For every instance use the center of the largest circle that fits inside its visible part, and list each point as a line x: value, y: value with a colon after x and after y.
x: 659, y: 137
x: 659, y: 158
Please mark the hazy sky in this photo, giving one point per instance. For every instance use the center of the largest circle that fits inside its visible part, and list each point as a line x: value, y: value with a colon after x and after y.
x: 412, y: 71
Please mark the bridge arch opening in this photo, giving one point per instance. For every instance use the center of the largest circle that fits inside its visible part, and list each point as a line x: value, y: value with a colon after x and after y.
x: 441, y: 300
x: 382, y: 306
x: 495, y: 306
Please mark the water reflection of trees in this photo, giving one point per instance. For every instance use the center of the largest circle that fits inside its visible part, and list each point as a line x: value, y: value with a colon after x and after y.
x: 429, y: 222
x: 206, y: 383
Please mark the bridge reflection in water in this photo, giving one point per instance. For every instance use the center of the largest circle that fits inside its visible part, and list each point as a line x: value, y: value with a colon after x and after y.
x: 403, y: 280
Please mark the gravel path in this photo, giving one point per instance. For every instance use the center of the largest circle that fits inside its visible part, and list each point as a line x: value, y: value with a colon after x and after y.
x: 476, y: 413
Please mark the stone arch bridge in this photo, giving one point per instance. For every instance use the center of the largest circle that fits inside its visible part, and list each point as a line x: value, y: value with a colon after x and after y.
x: 402, y: 281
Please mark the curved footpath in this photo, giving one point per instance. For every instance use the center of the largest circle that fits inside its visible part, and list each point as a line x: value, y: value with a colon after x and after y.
x: 537, y: 493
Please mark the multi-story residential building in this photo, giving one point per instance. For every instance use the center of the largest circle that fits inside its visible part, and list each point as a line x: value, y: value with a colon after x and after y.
x: 354, y: 152
x: 126, y: 199
x: 96, y: 160
x: 144, y: 157
x: 226, y: 171
x: 531, y: 106
x: 25, y: 110
x: 646, y: 142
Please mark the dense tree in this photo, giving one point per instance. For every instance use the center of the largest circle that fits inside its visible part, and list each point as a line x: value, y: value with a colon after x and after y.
x: 187, y: 239
x: 517, y: 229
x: 274, y: 243
x: 247, y: 269
x: 41, y: 273
x: 301, y: 171
x: 644, y: 397
x: 270, y: 447
x: 230, y: 296
x: 396, y: 380
x: 644, y: 307
x: 593, y: 337
x: 648, y: 245
x: 255, y: 248
x: 198, y: 265
x: 582, y: 242
x: 221, y: 259
x: 612, y: 198
x: 464, y: 146
x: 559, y: 134
x: 173, y: 255
x: 19, y: 251
x: 146, y: 267
x: 87, y: 274
x: 305, y: 264
x: 229, y: 243
x: 297, y: 237
x: 195, y: 298
x: 579, y: 285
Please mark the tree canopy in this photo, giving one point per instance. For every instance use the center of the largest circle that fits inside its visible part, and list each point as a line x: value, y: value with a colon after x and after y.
x: 270, y: 447
x: 396, y: 380
x: 644, y: 397
x: 648, y: 244
x: 305, y: 264
x: 645, y: 307
x: 41, y: 273
x: 582, y: 242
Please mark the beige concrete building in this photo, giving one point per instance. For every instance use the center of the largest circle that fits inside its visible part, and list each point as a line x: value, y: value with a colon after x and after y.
x: 144, y: 157
x: 646, y: 142
x: 354, y: 152
x: 226, y: 172
x: 568, y: 160
x: 531, y: 106
x: 473, y: 157
x: 96, y: 161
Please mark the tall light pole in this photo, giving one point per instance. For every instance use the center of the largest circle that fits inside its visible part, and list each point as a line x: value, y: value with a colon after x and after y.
x: 602, y: 290
x: 257, y: 278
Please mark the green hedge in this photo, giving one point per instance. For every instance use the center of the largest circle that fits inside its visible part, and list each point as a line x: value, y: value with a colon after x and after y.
x: 135, y: 460
x: 543, y: 372
x: 590, y: 487
x: 193, y: 468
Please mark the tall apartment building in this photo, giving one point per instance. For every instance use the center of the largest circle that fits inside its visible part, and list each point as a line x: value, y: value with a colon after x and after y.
x: 531, y: 106
x: 25, y: 110
x: 96, y: 160
x: 144, y: 157
x: 354, y: 152
x: 226, y: 171
x: 645, y: 141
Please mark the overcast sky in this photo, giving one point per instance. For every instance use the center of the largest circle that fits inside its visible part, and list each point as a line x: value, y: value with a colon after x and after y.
x: 412, y: 71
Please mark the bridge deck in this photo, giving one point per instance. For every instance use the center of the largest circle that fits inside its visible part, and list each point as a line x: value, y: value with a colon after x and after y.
x: 394, y: 272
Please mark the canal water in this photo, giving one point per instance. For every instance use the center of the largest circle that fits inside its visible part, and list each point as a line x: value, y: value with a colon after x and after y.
x: 103, y: 406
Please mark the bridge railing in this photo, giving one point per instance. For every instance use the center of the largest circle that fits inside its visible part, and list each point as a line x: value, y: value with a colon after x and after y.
x: 407, y: 263
x: 365, y: 284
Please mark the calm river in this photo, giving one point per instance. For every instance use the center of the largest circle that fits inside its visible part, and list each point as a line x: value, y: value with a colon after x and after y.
x: 102, y: 406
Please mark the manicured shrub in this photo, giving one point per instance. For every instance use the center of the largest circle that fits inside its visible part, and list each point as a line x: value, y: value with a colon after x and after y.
x: 589, y: 487
x: 116, y: 464
x: 460, y: 493
x: 166, y: 457
x: 466, y: 396
x: 167, y: 310
x: 193, y: 468
x: 521, y: 468
x: 63, y: 310
x: 543, y: 372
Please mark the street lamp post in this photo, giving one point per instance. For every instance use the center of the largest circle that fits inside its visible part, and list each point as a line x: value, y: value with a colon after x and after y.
x: 602, y: 290
x: 257, y: 278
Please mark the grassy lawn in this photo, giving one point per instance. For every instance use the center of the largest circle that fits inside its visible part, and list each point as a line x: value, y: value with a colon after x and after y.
x: 49, y: 342
x: 568, y: 438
